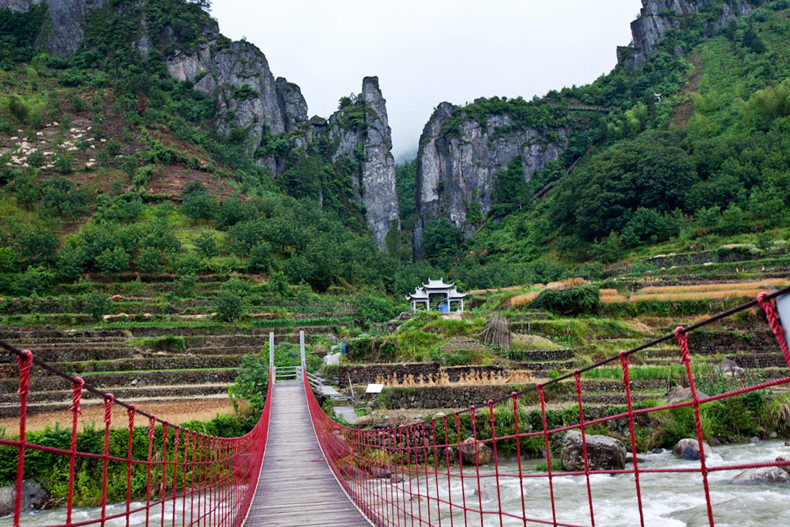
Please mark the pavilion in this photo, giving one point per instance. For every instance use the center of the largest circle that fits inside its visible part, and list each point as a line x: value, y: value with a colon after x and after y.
x: 437, y: 288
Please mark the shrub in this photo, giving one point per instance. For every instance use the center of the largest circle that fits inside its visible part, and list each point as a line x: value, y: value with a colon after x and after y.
x: 9, y: 259
x: 63, y: 163
x: 113, y: 147
x: 36, y: 159
x: 96, y: 304
x: 206, y: 244
x: 188, y: 263
x: 113, y: 261
x: 278, y: 285
x: 34, y: 281
x: 186, y: 285
x: 252, y: 380
x: 150, y: 260
x: 584, y: 299
x: 261, y: 256
x: 373, y: 308
x: 231, y: 306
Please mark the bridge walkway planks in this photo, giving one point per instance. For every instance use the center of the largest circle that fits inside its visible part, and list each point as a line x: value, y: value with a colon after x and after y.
x: 296, y: 487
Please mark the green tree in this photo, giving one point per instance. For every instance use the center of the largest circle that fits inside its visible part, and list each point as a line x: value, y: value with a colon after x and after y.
x: 186, y: 285
x: 72, y: 259
x: 96, y: 305
x: 18, y: 109
x: 64, y: 198
x: 261, y: 256
x: 27, y: 190
x: 509, y: 185
x: 36, y: 244
x: 442, y: 239
x: 150, y: 260
x: 652, y: 172
x: 34, y: 281
x: 232, y: 302
x: 279, y: 285
x: 113, y: 261
x: 206, y: 244
x: 63, y: 163
x: 372, y: 308
x: 252, y: 381
x: 199, y: 205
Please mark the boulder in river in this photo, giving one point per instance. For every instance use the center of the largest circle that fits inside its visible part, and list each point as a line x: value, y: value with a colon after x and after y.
x: 484, y: 452
x: 762, y: 476
x: 784, y: 458
x: 689, y: 449
x: 33, y: 497
x: 603, y: 453
x: 629, y: 459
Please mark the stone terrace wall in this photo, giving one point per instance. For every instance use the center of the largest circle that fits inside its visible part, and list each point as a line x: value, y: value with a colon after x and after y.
x: 366, y: 374
x: 608, y: 392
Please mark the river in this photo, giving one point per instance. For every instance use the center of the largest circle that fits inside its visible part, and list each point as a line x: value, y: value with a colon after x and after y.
x: 669, y: 500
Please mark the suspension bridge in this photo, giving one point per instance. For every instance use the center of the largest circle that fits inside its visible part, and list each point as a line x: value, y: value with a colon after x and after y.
x: 299, y: 467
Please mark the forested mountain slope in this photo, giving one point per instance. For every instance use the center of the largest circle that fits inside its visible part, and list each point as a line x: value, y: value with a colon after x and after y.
x: 135, y: 138
x: 684, y: 149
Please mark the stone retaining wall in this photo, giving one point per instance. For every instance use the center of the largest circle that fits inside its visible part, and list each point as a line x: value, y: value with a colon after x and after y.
x: 107, y: 380
x: 367, y: 373
x: 606, y: 392
x: 136, y: 364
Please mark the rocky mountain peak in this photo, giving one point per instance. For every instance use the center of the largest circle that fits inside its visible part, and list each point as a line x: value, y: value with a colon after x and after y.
x: 657, y: 17
x: 457, y: 167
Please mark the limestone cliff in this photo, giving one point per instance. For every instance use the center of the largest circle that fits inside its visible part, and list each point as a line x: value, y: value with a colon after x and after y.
x: 63, y: 32
x: 657, y: 17
x: 248, y: 96
x: 457, y: 172
x: 360, y: 132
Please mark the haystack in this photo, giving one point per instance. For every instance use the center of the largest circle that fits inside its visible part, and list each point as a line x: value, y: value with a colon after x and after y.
x: 497, y: 332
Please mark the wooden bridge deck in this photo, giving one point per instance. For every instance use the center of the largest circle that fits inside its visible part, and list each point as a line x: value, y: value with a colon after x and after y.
x: 296, y: 487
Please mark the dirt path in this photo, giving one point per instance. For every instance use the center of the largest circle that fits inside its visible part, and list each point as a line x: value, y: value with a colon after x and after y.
x: 93, y: 416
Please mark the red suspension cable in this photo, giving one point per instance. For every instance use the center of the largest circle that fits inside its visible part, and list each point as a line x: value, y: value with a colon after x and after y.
x: 222, y: 473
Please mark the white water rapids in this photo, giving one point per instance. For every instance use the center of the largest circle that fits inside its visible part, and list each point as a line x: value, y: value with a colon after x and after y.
x: 669, y: 500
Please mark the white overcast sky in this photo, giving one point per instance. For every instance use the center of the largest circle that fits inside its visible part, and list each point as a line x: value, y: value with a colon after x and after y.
x: 428, y: 51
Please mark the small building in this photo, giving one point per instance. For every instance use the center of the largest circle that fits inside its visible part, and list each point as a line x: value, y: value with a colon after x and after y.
x: 437, y: 291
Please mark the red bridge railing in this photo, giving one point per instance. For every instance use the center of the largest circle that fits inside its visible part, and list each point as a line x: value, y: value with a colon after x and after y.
x: 417, y: 474
x: 206, y: 480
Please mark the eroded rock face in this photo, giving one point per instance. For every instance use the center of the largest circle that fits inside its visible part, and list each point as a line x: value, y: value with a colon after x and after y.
x: 375, y: 188
x: 659, y: 16
x: 455, y: 172
x: 603, y: 453
x: 240, y: 77
x: 63, y: 33
x: 292, y: 104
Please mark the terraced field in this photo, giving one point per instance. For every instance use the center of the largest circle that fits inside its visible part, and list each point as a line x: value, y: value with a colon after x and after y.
x: 149, y: 348
x: 157, y: 345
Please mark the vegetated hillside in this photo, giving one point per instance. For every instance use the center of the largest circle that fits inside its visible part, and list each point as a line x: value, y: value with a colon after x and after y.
x: 151, y: 144
x: 110, y: 163
x: 703, y: 165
